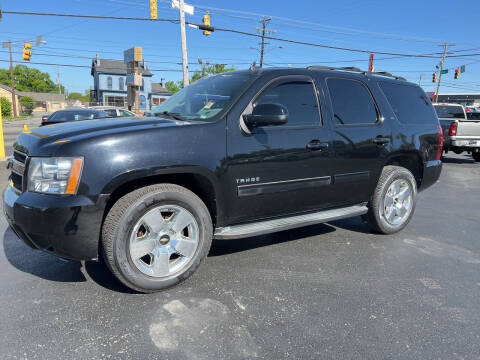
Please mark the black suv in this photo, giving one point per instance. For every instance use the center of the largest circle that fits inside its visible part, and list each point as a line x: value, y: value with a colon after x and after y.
x: 231, y: 156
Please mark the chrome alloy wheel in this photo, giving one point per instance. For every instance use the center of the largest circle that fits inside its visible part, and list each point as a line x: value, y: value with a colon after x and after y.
x: 164, y: 241
x: 397, y: 204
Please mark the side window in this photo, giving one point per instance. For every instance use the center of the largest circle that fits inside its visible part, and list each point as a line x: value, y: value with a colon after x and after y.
x: 125, y: 113
x: 299, y: 99
x: 409, y: 103
x: 109, y: 83
x: 352, y: 102
x: 111, y: 112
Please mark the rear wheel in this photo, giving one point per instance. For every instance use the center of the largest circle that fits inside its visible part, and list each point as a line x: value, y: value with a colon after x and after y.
x: 156, y: 236
x: 393, y: 202
x: 476, y: 156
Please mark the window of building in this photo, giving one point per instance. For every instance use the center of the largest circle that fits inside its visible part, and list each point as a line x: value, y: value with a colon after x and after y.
x: 121, y: 84
x: 118, y: 101
x: 299, y: 99
x: 352, y: 102
x: 109, y: 83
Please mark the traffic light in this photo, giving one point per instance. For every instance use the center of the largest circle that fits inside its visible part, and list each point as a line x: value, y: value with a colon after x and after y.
x: 457, y: 73
x: 26, y: 51
x: 206, y: 23
x: 434, y: 77
x: 153, y: 10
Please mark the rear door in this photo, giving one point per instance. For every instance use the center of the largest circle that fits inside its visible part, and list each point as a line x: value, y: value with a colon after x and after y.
x: 361, y: 137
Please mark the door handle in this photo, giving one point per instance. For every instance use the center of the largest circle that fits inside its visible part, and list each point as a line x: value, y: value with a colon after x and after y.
x: 316, y: 145
x: 379, y: 140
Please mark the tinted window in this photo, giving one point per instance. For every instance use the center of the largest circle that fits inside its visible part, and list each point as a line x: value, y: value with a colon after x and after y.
x: 449, y: 111
x: 126, y: 113
x: 473, y: 115
x: 111, y: 112
x: 109, y: 83
x: 409, y: 103
x: 352, y: 102
x: 298, y: 97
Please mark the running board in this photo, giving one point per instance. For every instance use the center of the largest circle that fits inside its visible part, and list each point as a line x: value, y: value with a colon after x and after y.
x: 270, y: 226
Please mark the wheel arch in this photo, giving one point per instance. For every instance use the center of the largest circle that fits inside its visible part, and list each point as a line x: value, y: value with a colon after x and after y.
x: 410, y: 160
x: 200, y: 181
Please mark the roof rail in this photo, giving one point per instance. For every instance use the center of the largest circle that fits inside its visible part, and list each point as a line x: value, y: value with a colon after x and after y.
x: 355, y: 69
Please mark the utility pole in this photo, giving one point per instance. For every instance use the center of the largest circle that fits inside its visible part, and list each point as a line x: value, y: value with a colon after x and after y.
x: 12, y: 80
x: 184, y: 43
x: 58, y: 80
x: 445, y: 46
x: 263, y: 43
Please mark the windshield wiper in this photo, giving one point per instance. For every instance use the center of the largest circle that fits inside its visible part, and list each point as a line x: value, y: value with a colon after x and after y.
x: 176, y: 116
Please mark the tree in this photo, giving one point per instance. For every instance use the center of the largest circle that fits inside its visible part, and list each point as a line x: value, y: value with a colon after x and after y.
x: 29, y: 79
x: 6, y: 106
x: 173, y: 86
x: 210, y: 70
x: 27, y: 104
x: 79, y: 97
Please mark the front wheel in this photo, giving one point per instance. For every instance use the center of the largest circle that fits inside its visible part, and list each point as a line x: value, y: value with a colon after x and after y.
x: 393, y: 202
x: 156, y: 236
x: 476, y: 156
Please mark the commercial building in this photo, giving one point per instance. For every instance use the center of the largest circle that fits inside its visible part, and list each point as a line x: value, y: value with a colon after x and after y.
x: 470, y: 99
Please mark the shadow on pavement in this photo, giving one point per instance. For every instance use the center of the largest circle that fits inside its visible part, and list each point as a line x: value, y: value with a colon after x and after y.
x: 99, y: 273
x: 352, y: 224
x: 39, y: 263
x: 225, y: 247
x: 51, y: 268
x: 456, y: 160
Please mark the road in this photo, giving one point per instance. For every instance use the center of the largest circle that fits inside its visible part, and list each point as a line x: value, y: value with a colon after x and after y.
x: 333, y: 291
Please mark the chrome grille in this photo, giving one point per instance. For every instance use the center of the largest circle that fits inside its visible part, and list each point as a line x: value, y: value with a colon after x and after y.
x: 18, y: 169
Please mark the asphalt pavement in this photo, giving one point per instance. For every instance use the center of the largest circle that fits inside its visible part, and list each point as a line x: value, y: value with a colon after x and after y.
x: 332, y: 291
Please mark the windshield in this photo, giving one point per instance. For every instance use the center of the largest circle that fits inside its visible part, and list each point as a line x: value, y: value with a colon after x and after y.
x: 448, y: 111
x: 206, y: 99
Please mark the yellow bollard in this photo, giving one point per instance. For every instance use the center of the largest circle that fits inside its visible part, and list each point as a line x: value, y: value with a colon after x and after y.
x: 2, y: 141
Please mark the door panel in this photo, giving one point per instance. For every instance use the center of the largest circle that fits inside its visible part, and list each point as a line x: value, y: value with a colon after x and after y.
x: 361, y: 137
x: 278, y: 170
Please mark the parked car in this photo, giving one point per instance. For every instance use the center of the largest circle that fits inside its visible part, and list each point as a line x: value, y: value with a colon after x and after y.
x: 461, y: 130
x: 114, y: 111
x: 230, y: 156
x: 45, y: 117
x: 68, y: 115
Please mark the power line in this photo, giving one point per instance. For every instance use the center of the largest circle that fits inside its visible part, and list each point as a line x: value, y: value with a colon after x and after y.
x: 174, y: 21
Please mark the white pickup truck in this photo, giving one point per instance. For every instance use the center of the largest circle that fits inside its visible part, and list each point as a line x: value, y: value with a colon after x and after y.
x: 461, y: 130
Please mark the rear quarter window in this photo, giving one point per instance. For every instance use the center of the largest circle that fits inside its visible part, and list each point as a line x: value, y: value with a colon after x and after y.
x: 409, y: 103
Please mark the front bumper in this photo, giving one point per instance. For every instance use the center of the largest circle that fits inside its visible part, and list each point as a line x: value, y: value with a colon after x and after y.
x: 431, y: 173
x: 66, y: 226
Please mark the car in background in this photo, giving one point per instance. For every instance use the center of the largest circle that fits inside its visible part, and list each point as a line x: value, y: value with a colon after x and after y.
x: 46, y: 116
x: 461, y: 130
x: 74, y: 115
x: 114, y: 111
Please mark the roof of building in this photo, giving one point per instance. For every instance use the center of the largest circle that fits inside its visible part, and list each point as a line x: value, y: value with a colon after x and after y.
x: 36, y: 95
x: 114, y: 67
x: 158, y: 88
x: 5, y: 87
x: 42, y: 96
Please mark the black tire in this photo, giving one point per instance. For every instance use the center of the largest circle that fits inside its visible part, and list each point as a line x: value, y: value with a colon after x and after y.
x: 121, y: 219
x: 476, y: 156
x: 375, y: 218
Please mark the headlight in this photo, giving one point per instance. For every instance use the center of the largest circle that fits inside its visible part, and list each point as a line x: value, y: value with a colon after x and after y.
x: 54, y: 175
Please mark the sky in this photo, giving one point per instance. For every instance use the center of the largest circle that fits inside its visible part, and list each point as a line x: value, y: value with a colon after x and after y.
x: 407, y: 27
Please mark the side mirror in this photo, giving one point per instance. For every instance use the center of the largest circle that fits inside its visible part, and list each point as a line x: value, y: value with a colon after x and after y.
x: 267, y: 114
